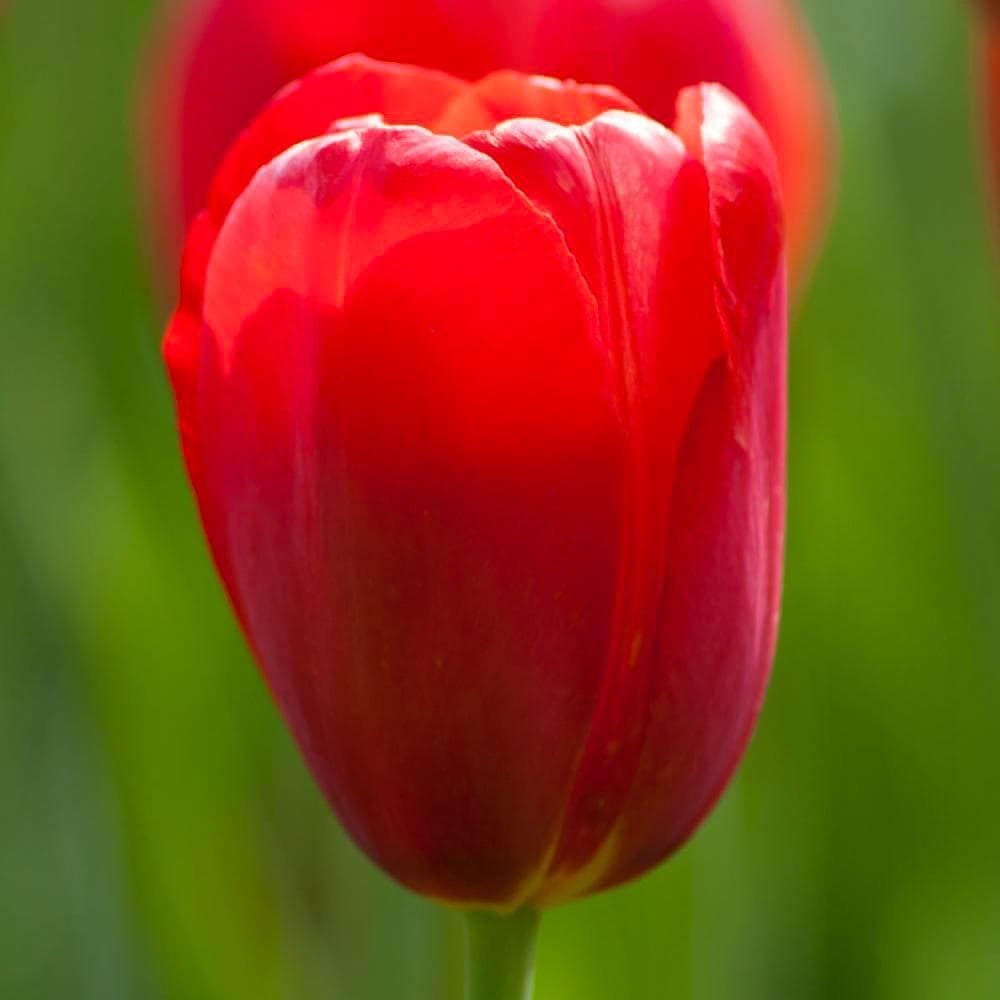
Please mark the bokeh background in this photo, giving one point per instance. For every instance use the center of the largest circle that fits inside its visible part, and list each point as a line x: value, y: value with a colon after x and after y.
x: 159, y: 837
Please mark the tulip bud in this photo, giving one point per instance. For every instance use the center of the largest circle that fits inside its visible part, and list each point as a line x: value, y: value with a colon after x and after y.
x: 224, y: 58
x: 485, y: 418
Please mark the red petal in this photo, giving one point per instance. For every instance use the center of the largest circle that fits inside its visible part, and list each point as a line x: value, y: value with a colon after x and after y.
x: 505, y: 94
x: 747, y: 222
x: 724, y: 556
x: 424, y: 521
x: 350, y: 87
x: 634, y: 208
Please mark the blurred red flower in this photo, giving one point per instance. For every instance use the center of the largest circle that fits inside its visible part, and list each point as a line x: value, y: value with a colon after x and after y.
x: 486, y: 424
x: 222, y: 59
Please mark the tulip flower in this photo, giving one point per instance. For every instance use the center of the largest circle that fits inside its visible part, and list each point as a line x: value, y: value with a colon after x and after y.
x: 481, y: 393
x: 224, y: 58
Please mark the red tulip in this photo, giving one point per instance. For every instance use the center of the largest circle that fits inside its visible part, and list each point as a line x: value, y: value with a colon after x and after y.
x: 226, y: 57
x: 487, y: 435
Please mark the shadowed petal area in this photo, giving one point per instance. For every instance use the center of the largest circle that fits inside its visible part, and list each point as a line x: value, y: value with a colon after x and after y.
x: 423, y: 521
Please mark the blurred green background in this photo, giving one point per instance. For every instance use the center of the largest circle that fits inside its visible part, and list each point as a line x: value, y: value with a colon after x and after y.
x: 159, y: 836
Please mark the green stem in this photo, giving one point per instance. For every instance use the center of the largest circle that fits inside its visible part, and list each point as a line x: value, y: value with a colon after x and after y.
x: 500, y: 955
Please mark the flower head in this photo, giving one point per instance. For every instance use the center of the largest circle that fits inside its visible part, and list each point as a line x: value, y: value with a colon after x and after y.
x: 481, y: 391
